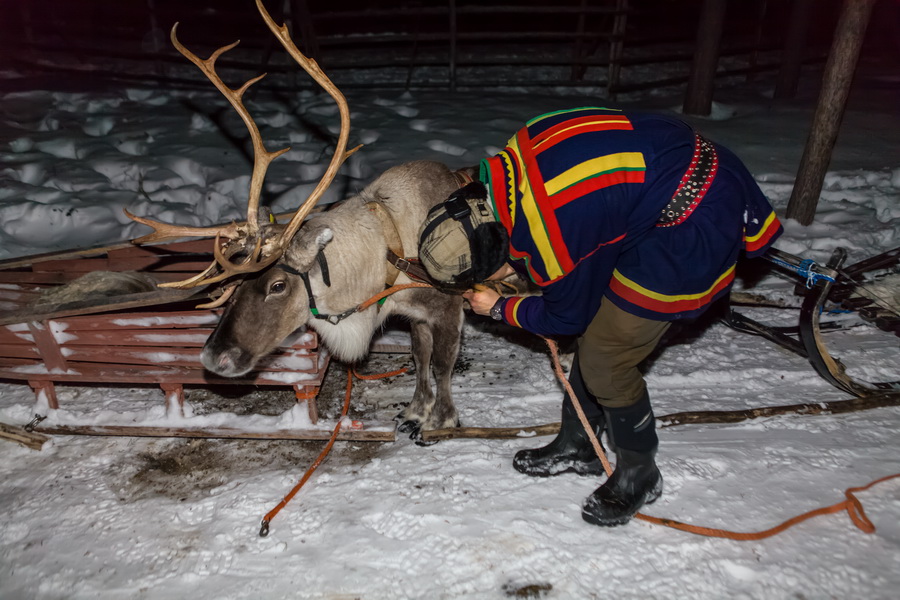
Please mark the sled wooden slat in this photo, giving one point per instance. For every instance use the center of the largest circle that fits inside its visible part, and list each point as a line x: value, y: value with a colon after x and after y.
x: 202, y: 246
x: 152, y: 356
x: 100, y: 373
x: 167, y: 338
x: 34, y: 282
x: 18, y: 295
x: 25, y: 351
x: 160, y: 319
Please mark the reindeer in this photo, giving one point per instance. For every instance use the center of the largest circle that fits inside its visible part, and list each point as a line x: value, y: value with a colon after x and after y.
x: 316, y: 273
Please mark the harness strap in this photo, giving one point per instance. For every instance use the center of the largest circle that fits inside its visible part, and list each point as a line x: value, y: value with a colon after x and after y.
x: 412, y: 267
x: 304, y: 276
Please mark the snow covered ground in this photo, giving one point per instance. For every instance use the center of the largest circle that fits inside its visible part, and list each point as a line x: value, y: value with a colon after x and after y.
x: 142, y: 518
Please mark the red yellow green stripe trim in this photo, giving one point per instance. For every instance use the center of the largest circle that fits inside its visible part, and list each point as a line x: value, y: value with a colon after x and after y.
x: 664, y: 303
x: 538, y: 211
x: 511, y: 310
x: 548, y: 115
x: 573, y: 127
x: 593, y: 184
x: 595, y: 167
x: 760, y: 240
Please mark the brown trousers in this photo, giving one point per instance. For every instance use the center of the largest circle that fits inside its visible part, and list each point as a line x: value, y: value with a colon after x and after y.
x: 610, y: 351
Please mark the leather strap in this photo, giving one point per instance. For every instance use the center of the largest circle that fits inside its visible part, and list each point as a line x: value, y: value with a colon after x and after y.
x: 412, y: 267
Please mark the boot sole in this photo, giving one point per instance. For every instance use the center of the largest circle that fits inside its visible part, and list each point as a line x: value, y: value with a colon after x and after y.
x: 578, y: 471
x: 615, y: 522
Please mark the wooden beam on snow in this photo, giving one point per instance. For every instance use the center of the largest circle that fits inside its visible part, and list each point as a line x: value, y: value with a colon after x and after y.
x: 20, y: 435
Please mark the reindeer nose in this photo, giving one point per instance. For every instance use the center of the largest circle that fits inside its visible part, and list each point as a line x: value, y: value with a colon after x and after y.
x: 222, y: 363
x: 225, y: 363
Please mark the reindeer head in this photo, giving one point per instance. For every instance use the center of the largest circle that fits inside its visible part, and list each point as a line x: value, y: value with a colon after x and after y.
x: 267, y: 307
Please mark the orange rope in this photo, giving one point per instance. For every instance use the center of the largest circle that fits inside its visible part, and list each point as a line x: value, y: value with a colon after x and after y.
x: 851, y: 504
x: 389, y: 291
x: 264, y: 528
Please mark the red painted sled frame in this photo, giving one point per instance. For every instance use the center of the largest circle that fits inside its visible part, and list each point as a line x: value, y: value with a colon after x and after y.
x: 147, y: 338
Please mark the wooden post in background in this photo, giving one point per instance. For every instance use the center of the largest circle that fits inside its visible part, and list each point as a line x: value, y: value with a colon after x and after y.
x: 698, y: 97
x: 839, y: 69
x: 794, y: 46
x: 453, y: 25
x: 616, y: 46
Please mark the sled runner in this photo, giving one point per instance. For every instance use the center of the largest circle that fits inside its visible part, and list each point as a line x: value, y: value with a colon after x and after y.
x: 835, y: 286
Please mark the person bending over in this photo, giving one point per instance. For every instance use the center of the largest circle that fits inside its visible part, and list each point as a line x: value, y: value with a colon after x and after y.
x: 627, y: 222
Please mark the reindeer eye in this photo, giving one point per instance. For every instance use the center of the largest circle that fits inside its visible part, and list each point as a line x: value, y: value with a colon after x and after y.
x: 277, y: 287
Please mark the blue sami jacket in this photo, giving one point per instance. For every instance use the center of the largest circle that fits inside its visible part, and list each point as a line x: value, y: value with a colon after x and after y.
x: 581, y: 192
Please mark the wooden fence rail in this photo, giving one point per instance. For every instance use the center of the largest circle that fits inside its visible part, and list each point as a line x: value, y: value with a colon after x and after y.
x: 447, y: 44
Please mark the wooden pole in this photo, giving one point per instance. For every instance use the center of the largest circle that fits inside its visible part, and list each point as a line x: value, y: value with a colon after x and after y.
x: 753, y: 59
x: 20, y: 435
x: 616, y: 46
x: 839, y: 69
x: 301, y: 18
x: 835, y: 407
x: 453, y: 26
x: 794, y: 46
x: 578, y: 48
x: 384, y: 432
x: 698, y: 97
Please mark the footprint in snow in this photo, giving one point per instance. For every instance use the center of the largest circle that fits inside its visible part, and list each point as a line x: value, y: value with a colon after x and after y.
x: 132, y: 147
x: 22, y: 144
x: 98, y: 126
x: 195, y: 513
x: 445, y: 147
x: 212, y: 563
x: 406, y: 111
x: 394, y: 525
x: 60, y: 148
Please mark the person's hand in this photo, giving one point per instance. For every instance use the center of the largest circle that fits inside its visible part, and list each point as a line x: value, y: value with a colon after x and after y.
x: 482, y: 300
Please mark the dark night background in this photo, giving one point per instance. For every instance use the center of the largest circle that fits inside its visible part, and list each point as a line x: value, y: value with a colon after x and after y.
x: 65, y: 44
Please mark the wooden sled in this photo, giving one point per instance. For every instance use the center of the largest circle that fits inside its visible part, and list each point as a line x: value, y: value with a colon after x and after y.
x: 152, y: 337
x: 839, y: 286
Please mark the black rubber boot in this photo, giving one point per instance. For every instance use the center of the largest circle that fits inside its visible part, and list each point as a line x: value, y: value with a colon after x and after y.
x: 572, y: 450
x: 636, y: 480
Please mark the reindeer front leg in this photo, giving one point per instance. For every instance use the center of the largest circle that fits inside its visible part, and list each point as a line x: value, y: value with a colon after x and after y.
x: 413, y: 417
x: 446, y: 337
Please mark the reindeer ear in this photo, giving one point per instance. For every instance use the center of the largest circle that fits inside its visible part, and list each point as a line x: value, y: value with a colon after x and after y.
x: 323, y: 237
x: 303, y: 249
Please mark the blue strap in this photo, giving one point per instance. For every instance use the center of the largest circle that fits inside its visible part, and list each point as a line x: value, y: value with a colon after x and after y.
x: 806, y: 269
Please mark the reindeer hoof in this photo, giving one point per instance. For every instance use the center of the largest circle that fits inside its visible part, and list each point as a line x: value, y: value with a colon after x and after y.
x: 411, y: 426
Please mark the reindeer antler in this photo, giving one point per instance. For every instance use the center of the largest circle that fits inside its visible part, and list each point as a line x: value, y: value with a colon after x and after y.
x: 241, y: 236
